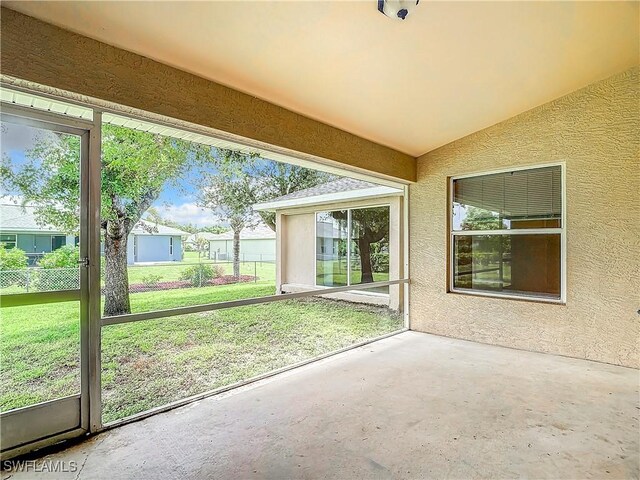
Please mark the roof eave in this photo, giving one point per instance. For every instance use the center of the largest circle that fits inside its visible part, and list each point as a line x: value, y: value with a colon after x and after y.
x: 32, y: 231
x: 362, y: 194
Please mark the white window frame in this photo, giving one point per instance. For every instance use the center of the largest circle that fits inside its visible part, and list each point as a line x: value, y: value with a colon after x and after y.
x: 315, y: 238
x: 171, y: 246
x: 562, y: 231
x: 15, y: 239
x: 54, y: 236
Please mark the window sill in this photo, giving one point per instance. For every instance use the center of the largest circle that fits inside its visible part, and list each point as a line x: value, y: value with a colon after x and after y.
x: 521, y: 298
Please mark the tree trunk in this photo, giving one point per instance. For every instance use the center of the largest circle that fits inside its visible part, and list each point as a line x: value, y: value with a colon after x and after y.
x: 236, y: 254
x: 116, y: 280
x: 365, y: 259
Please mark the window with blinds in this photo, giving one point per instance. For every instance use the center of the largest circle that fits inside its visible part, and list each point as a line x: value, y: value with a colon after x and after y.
x: 507, y: 233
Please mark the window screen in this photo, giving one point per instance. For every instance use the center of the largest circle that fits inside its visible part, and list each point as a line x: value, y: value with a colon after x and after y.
x: 507, y: 231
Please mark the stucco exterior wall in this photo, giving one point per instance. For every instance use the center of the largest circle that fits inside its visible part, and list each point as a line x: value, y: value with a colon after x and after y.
x: 596, y: 131
x: 251, y: 249
x: 93, y: 69
x: 154, y: 248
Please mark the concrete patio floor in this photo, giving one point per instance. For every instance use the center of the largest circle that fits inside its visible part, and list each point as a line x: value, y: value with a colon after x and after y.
x: 410, y: 406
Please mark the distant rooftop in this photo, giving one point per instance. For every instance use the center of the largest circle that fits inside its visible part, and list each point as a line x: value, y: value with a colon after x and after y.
x: 205, y: 235
x: 335, y: 186
x: 18, y: 218
x: 146, y: 227
x: 260, y: 232
x: 336, y: 190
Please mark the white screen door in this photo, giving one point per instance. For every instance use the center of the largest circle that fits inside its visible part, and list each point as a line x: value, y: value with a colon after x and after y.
x: 43, y: 283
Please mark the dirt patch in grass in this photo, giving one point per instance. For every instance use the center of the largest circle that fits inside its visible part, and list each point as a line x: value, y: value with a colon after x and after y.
x: 172, y: 285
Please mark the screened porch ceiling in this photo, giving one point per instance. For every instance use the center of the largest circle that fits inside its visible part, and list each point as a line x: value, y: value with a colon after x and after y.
x: 450, y: 69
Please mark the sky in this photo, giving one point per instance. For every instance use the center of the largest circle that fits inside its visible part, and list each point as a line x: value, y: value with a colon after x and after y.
x: 176, y: 202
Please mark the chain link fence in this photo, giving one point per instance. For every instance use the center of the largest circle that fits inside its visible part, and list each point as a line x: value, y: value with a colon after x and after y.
x: 147, y: 278
x: 28, y: 280
x: 142, y: 278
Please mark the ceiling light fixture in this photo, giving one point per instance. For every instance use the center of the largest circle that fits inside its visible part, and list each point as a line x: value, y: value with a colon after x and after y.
x: 398, y: 9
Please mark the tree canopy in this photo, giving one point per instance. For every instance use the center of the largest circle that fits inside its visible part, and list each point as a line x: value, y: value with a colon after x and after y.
x: 244, y: 179
x: 136, y: 166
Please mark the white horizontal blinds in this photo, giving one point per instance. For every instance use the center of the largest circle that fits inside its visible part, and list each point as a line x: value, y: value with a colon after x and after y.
x: 518, y: 195
x: 543, y: 193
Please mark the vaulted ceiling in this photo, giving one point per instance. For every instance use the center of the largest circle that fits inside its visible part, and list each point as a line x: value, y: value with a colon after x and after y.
x: 450, y: 69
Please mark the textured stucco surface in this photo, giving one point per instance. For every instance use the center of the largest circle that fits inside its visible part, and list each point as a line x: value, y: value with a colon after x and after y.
x: 596, y: 131
x: 45, y: 54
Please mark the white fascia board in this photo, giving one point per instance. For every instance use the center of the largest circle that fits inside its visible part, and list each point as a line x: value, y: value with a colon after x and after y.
x: 158, y: 234
x: 18, y: 231
x: 362, y: 194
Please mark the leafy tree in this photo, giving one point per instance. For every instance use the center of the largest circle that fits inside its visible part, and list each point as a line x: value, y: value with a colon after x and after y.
x: 278, y: 179
x: 135, y: 168
x: 215, y: 229
x: 201, y: 246
x: 480, y: 219
x: 243, y: 180
x: 231, y: 191
x: 490, y: 249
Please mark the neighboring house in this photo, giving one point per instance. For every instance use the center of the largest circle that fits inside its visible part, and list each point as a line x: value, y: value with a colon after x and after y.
x: 152, y: 242
x: 19, y: 229
x: 326, y: 238
x: 148, y: 242
x: 256, y: 244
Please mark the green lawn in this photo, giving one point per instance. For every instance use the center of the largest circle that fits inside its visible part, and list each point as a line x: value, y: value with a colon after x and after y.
x: 162, y: 272
x: 266, y: 272
x: 192, y: 257
x: 150, y: 363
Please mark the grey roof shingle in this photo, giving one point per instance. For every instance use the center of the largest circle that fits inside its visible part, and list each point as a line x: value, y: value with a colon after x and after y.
x: 146, y: 227
x: 259, y: 232
x: 335, y: 186
x: 18, y: 218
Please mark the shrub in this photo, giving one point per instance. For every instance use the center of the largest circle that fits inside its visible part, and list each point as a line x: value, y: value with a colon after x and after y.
x: 64, y: 257
x: 201, y: 274
x: 12, y: 258
x: 151, y: 280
